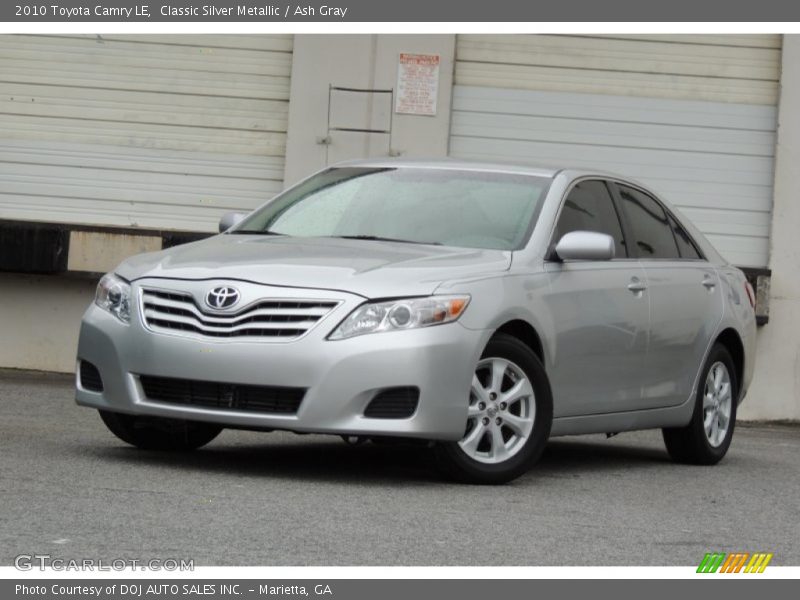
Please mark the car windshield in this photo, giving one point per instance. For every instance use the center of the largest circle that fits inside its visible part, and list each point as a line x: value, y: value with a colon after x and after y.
x: 450, y: 207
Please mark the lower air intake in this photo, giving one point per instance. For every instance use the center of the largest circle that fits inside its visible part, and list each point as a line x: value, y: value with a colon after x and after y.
x: 90, y: 377
x: 393, y: 403
x: 223, y: 396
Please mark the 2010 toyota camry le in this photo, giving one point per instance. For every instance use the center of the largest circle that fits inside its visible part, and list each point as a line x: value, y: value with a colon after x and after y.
x: 482, y: 308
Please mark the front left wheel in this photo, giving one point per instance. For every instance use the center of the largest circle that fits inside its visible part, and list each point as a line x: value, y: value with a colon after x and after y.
x: 157, y: 433
x: 508, y: 419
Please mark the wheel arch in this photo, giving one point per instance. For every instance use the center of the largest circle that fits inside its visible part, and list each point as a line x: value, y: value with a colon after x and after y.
x: 525, y: 333
x: 732, y: 341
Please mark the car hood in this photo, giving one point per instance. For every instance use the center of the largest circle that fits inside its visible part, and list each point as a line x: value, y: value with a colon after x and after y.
x: 372, y: 269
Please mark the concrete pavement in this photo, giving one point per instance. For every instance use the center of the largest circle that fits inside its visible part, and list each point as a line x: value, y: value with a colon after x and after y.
x: 70, y: 489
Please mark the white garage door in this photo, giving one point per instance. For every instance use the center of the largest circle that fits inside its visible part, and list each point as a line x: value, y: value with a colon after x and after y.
x: 164, y: 132
x: 693, y: 117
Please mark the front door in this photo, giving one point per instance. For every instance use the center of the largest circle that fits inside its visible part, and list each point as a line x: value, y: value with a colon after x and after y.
x: 600, y: 314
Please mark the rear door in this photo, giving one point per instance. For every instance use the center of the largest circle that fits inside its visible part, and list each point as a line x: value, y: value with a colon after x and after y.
x: 685, y: 298
x: 599, y: 313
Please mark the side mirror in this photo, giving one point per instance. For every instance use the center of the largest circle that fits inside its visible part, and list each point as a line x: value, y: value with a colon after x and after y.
x: 230, y: 219
x: 585, y: 245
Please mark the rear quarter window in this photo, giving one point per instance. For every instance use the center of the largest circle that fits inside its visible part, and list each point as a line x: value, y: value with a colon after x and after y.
x: 686, y: 246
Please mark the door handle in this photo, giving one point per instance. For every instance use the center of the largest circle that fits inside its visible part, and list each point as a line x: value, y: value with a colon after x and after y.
x: 709, y: 284
x: 636, y: 285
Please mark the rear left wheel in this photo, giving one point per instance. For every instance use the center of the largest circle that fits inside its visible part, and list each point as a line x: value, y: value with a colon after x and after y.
x: 707, y: 437
x: 508, y: 420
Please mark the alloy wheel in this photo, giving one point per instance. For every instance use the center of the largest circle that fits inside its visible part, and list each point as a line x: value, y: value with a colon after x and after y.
x: 501, y: 414
x: 717, y: 403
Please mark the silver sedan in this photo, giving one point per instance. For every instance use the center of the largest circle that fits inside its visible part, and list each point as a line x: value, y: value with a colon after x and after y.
x: 479, y: 308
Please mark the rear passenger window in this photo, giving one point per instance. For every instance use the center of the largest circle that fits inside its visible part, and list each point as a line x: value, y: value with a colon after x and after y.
x: 686, y: 246
x: 589, y: 207
x: 652, y: 233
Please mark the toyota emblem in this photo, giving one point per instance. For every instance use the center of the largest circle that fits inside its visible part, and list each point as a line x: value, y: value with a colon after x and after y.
x: 222, y: 297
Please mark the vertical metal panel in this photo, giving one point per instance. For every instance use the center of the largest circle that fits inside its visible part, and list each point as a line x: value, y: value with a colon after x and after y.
x: 152, y: 131
x: 693, y: 117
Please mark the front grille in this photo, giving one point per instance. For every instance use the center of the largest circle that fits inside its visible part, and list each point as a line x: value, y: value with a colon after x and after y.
x: 393, y: 403
x: 90, y: 377
x: 276, y: 319
x: 227, y: 396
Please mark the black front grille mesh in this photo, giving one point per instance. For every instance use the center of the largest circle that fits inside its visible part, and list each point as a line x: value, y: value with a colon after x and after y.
x: 393, y: 403
x: 90, y: 377
x: 226, y: 396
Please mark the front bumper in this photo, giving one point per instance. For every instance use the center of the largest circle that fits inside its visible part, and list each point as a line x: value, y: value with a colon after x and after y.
x: 341, y: 377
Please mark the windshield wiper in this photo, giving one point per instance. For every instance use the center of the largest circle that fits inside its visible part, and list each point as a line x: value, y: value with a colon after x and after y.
x: 377, y: 238
x: 254, y: 232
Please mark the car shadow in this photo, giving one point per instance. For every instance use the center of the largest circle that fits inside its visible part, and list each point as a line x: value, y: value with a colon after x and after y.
x: 320, y: 459
x: 576, y: 455
x: 329, y: 459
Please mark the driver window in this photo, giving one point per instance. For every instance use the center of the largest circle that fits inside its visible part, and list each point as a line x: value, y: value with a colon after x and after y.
x: 589, y: 207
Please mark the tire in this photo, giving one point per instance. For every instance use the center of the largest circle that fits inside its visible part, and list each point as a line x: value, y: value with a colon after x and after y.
x: 694, y: 443
x: 477, y: 458
x: 156, y: 433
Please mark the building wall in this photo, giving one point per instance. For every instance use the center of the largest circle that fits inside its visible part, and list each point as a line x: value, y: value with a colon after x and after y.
x: 39, y: 320
x: 775, y: 393
x: 148, y: 131
x: 366, y: 62
x: 738, y: 69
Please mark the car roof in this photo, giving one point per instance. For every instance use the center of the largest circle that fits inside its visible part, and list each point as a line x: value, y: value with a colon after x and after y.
x: 548, y: 171
x: 451, y: 164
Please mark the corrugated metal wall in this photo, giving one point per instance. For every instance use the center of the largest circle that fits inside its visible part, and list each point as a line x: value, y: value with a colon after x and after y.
x: 162, y: 132
x: 694, y: 117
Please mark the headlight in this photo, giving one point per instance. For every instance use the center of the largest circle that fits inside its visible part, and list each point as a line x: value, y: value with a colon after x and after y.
x: 407, y: 313
x: 114, y: 295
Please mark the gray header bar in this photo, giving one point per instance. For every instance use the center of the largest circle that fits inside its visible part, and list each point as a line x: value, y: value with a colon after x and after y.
x: 337, y: 11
